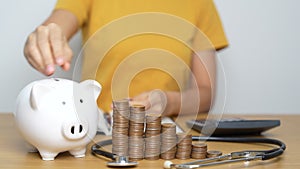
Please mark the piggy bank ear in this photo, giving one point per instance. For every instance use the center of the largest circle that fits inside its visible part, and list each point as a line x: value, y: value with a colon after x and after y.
x: 37, y: 93
x: 92, y: 85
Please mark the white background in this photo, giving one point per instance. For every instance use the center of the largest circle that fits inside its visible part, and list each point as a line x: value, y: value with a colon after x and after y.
x: 261, y: 65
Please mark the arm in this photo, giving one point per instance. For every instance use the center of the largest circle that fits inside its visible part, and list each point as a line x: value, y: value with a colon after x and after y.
x: 65, y: 20
x: 197, y: 98
x: 48, y: 45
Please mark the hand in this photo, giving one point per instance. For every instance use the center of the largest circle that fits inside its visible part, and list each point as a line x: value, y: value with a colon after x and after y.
x: 154, y: 101
x: 46, y: 47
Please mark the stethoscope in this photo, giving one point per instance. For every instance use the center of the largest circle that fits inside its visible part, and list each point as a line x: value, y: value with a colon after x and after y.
x: 118, y: 161
x: 247, y: 155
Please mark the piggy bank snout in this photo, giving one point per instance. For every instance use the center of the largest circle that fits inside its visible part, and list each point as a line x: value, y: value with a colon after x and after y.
x: 75, y: 130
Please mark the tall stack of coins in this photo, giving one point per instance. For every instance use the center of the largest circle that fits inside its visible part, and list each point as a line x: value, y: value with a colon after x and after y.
x: 184, y: 146
x: 199, y: 151
x: 152, y: 133
x: 136, y: 132
x: 121, y: 114
x: 168, y: 141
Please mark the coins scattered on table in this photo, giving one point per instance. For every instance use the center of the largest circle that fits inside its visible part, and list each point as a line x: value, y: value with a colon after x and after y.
x: 184, y: 146
x: 213, y: 153
x: 168, y: 141
x: 120, y: 127
x: 152, y: 136
x: 199, y: 151
x: 136, y: 132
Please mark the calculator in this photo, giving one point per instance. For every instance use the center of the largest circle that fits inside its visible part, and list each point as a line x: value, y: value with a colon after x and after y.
x: 232, y: 127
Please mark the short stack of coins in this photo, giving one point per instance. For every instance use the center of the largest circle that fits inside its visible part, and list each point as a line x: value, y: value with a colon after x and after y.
x: 136, y: 132
x: 121, y: 114
x: 184, y: 146
x: 152, y: 136
x: 168, y: 141
x: 199, y: 151
x: 213, y: 153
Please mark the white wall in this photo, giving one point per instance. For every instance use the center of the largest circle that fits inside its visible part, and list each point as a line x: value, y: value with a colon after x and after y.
x: 18, y: 19
x: 261, y: 64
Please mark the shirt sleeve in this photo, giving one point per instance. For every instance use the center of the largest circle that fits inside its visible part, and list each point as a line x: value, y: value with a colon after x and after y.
x: 80, y: 8
x: 210, y: 25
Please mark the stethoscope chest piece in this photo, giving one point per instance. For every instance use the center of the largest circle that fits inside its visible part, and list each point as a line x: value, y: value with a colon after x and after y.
x: 122, y: 161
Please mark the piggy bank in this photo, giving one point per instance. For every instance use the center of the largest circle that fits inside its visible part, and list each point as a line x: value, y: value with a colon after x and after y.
x: 57, y: 115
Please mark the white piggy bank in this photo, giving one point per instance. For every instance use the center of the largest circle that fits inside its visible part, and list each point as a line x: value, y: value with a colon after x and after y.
x: 57, y: 115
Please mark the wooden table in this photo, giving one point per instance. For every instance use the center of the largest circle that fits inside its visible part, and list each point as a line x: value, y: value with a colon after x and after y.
x: 13, y: 155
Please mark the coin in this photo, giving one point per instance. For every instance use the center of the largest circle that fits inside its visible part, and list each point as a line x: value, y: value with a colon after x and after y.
x: 136, y: 148
x: 152, y: 133
x: 168, y: 141
x: 184, y: 146
x: 199, y: 151
x: 120, y: 127
x: 136, y: 132
x: 213, y: 153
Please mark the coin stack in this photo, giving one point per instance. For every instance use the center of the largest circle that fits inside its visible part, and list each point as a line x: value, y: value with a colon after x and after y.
x: 199, y: 151
x: 213, y: 153
x: 152, y: 134
x: 168, y: 141
x: 184, y: 146
x: 136, y: 132
x: 121, y: 114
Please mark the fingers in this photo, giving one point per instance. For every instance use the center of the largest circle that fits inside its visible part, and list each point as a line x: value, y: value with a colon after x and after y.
x: 158, y: 97
x: 141, y: 99
x: 62, y: 53
x: 154, y: 101
x: 47, y: 47
x: 145, y: 103
x: 68, y: 54
x: 158, y: 101
x: 32, y: 53
x: 56, y: 40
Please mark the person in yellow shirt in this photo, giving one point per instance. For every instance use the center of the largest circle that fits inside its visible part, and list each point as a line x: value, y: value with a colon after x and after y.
x: 173, y: 40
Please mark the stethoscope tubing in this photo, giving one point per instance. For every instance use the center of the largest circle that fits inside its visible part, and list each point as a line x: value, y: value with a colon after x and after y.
x: 265, y: 154
x: 96, y: 149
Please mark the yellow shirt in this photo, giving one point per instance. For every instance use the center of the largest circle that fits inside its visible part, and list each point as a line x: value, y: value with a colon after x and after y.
x: 133, y: 46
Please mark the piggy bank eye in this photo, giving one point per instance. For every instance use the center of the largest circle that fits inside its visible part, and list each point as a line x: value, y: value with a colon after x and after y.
x: 64, y: 103
x: 81, y: 101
